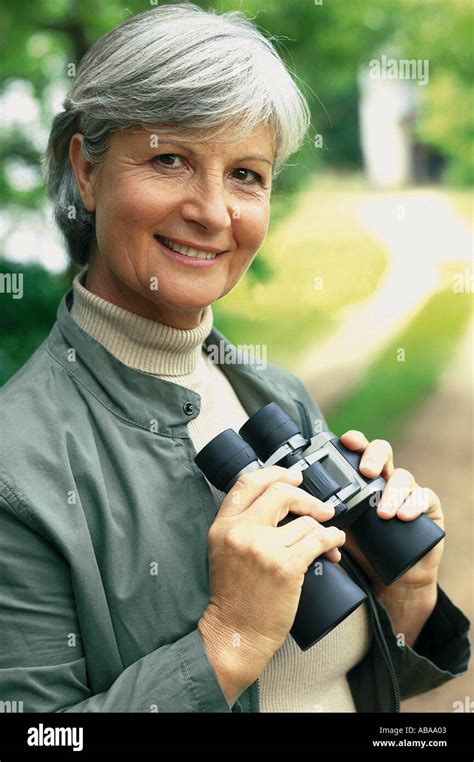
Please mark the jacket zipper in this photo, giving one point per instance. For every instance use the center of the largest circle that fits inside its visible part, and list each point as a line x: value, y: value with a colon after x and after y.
x: 386, y: 656
x: 377, y: 629
x: 376, y: 626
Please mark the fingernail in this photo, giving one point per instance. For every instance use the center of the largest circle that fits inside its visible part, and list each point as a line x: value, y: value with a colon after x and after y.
x: 385, y: 509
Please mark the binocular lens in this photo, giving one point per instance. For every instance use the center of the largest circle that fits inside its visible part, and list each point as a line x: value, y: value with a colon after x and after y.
x: 268, y: 429
x: 224, y: 457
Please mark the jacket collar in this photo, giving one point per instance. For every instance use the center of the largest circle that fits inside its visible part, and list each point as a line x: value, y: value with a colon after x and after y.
x: 143, y: 400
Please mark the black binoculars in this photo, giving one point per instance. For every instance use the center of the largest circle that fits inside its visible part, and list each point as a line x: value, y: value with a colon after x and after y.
x: 331, y: 474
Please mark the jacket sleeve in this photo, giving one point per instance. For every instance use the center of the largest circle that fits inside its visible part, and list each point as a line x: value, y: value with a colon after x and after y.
x: 42, y: 660
x: 441, y: 651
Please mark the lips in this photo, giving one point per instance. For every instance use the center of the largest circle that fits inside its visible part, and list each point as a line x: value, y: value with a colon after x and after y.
x: 186, y: 250
x: 193, y: 259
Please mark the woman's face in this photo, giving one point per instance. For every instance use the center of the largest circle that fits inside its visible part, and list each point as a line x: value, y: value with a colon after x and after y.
x: 155, y: 192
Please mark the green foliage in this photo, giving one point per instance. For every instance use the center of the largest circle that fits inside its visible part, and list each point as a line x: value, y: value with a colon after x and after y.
x: 24, y: 323
x: 443, y: 33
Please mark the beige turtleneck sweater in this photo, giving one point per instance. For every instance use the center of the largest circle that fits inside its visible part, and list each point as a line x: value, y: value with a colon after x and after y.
x: 293, y: 681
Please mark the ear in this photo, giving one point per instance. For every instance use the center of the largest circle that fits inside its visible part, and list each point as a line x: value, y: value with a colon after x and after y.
x: 82, y: 169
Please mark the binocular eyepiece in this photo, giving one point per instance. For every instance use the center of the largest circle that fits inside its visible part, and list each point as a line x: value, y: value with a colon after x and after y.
x: 331, y: 474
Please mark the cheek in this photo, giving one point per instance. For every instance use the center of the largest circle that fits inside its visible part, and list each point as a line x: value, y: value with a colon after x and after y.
x: 129, y: 207
x: 250, y: 228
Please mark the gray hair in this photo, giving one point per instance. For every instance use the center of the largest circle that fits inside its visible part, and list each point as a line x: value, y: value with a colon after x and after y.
x: 173, y: 65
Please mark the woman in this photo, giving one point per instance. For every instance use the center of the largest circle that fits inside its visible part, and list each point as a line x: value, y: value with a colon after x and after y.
x: 160, y: 170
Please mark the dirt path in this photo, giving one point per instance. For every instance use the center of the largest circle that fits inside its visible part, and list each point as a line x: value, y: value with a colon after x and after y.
x: 437, y: 447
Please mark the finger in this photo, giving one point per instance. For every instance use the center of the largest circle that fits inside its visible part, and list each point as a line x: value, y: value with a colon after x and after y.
x: 435, y: 510
x: 377, y: 459
x: 320, y: 540
x: 295, y: 530
x: 333, y: 555
x: 357, y: 441
x: 281, y: 498
x: 354, y: 440
x: 396, y: 491
x: 419, y: 501
x: 251, y: 485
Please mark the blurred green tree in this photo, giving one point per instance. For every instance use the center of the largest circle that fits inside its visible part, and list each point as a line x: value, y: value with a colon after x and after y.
x: 25, y: 322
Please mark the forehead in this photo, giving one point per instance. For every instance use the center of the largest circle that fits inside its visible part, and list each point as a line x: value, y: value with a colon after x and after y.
x: 260, y: 140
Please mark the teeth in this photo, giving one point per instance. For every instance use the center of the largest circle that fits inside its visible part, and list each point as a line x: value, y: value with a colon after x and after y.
x: 187, y: 250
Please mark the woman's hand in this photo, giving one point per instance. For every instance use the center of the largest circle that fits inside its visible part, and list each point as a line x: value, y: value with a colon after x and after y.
x: 257, y: 571
x: 411, y: 599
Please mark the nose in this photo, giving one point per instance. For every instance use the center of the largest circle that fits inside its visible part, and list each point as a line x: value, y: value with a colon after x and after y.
x: 208, y: 205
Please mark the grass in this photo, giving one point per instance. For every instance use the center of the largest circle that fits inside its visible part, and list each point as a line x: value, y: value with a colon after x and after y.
x: 391, y: 389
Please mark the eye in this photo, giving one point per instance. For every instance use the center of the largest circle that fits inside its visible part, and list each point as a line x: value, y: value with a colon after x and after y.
x: 168, y: 159
x: 244, y: 176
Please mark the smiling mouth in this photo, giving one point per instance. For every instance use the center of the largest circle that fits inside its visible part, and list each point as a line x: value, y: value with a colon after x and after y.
x: 187, y: 251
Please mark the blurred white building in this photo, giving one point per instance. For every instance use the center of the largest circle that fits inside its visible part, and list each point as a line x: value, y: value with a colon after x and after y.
x: 387, y: 110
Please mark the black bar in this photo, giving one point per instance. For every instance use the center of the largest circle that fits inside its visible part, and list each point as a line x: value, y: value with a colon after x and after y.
x: 444, y: 734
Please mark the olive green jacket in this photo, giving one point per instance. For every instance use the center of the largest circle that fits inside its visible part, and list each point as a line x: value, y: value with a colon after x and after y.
x: 104, y: 520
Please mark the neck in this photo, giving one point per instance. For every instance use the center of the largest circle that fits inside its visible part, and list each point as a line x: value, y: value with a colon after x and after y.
x: 143, y: 344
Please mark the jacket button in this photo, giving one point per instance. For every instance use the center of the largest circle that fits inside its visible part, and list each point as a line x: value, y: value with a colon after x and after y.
x: 188, y: 408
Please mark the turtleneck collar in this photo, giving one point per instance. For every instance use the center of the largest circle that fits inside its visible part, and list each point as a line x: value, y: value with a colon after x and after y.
x: 140, y: 343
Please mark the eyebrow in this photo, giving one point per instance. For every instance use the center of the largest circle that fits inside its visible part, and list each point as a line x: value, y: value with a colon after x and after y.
x: 254, y: 157
x: 257, y: 157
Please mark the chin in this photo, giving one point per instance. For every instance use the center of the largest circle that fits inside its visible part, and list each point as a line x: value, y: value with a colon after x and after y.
x: 182, y: 305
x: 190, y: 306
x: 181, y: 298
